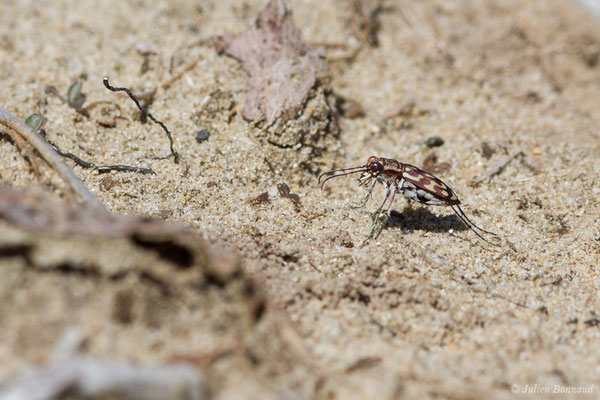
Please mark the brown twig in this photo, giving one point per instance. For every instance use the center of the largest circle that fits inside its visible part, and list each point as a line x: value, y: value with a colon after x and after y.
x: 367, y: 22
x: 28, y: 153
x: 15, y: 126
x: 99, y: 168
x: 166, y: 84
x: 497, y: 168
x: 146, y: 113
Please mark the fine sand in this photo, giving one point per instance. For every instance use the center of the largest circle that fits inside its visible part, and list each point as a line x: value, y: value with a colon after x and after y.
x: 427, y: 310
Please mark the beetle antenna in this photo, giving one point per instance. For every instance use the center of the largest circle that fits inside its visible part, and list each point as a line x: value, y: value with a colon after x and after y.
x: 463, y: 217
x: 344, y: 172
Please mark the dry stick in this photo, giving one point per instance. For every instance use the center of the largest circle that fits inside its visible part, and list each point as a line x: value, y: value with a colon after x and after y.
x: 52, y: 158
x: 100, y: 168
x: 200, y: 42
x: 498, y: 167
x: 147, y: 113
x: 166, y: 84
x: 28, y: 153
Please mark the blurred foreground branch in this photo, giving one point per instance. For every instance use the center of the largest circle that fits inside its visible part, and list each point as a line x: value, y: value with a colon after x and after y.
x: 86, y: 376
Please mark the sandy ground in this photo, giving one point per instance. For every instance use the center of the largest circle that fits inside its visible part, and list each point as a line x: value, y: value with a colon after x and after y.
x: 425, y: 311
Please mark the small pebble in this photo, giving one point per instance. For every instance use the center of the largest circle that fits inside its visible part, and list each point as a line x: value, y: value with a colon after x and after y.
x: 434, y: 141
x: 262, y: 198
x: 352, y: 109
x: 108, y: 183
x: 202, y: 135
x: 487, y: 150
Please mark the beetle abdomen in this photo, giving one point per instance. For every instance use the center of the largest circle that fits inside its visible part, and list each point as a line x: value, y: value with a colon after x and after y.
x: 432, y: 190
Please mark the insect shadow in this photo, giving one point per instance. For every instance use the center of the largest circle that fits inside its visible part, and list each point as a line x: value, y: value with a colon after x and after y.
x: 421, y: 219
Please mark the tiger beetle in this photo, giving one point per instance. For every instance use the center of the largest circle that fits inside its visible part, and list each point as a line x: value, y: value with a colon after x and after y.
x: 414, y: 183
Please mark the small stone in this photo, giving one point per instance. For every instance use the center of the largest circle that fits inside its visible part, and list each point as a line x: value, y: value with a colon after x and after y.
x: 261, y: 199
x: 108, y: 183
x: 202, y: 135
x: 487, y: 150
x: 434, y: 141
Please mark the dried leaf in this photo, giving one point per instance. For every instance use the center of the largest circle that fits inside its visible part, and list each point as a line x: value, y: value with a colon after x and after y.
x: 281, y: 68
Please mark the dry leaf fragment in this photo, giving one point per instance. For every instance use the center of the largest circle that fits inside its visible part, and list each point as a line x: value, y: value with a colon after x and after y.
x: 487, y: 151
x: 281, y: 68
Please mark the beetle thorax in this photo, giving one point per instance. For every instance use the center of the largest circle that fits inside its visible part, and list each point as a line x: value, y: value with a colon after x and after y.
x: 386, y: 179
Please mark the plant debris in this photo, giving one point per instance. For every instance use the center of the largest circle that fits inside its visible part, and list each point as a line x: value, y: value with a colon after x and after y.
x: 281, y: 68
x: 496, y: 168
x: 35, y: 121
x: 23, y: 135
x: 146, y: 113
x: 91, y: 165
x: 367, y: 22
x: 487, y: 151
x: 75, y: 97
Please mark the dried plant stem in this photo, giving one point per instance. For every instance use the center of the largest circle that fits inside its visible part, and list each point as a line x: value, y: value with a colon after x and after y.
x: 15, y: 126
x: 147, y: 113
x: 497, y: 168
x: 167, y: 84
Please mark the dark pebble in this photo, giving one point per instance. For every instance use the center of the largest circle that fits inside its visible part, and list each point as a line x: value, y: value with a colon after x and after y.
x: 434, y: 141
x: 202, y: 135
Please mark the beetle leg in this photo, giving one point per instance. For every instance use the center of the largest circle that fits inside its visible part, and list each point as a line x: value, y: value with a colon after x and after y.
x: 386, y: 215
x: 388, y: 192
x: 463, y: 217
x: 364, y: 201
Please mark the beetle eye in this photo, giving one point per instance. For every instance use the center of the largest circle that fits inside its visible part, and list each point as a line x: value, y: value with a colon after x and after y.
x: 376, y: 167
